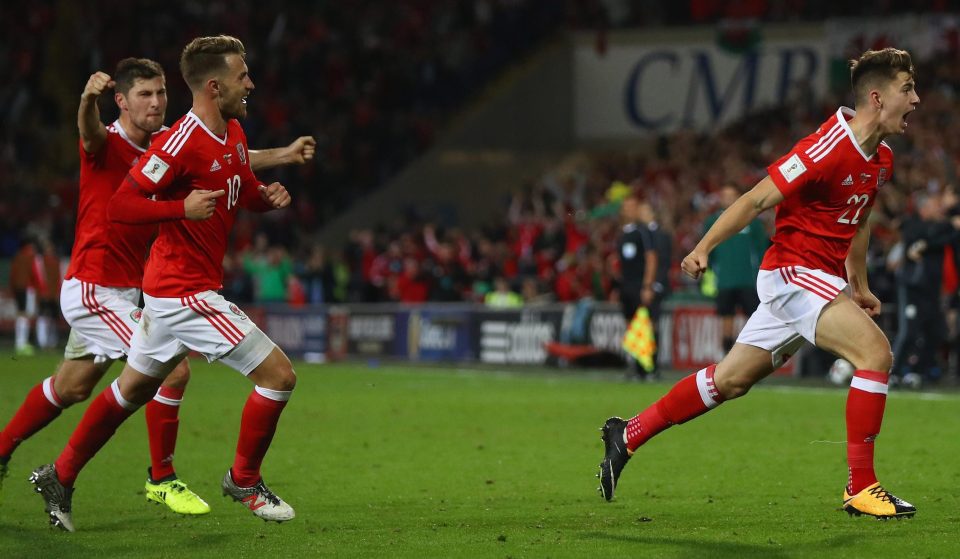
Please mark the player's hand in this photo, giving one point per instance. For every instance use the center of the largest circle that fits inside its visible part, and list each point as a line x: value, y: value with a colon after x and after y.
x: 646, y: 296
x: 301, y: 150
x: 200, y: 204
x: 868, y: 302
x: 96, y: 85
x: 275, y: 195
x: 694, y: 264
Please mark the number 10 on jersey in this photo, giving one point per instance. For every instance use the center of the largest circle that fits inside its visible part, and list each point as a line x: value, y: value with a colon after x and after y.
x: 233, y: 191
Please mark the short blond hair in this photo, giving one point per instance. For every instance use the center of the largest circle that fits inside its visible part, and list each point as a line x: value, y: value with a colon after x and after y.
x: 204, y: 57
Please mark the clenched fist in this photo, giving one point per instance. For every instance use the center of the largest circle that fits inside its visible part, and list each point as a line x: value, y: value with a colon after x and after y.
x: 96, y: 85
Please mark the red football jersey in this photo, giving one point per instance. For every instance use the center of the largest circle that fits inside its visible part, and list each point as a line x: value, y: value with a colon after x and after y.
x: 829, y: 185
x: 104, y: 252
x: 187, y: 256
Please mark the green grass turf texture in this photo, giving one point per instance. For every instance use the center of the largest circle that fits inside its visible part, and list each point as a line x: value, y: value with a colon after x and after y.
x: 407, y: 461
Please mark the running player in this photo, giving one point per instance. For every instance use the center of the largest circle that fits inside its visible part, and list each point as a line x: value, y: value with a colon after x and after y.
x: 101, y: 293
x: 812, y: 282
x: 204, y: 155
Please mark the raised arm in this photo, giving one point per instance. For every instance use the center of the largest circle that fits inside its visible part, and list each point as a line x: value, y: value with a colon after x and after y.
x: 92, y: 132
x: 763, y: 196
x: 298, y: 152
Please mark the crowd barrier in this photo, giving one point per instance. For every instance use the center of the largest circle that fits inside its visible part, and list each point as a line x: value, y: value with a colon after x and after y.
x: 466, y: 333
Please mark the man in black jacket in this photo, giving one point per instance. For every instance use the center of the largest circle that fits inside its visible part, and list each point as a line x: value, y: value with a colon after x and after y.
x: 921, y: 321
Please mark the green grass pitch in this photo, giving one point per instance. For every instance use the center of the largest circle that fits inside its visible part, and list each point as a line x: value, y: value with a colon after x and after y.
x: 407, y: 461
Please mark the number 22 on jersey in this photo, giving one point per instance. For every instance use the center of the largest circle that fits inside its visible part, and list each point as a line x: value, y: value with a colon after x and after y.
x: 233, y: 191
x: 856, y: 202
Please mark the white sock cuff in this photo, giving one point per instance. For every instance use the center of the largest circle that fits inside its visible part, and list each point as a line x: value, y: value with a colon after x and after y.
x: 167, y: 401
x: 869, y: 381
x: 124, y: 403
x: 275, y: 395
x: 708, y: 390
x: 49, y: 393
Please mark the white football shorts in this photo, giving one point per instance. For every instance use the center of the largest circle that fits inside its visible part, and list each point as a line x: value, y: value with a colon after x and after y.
x: 791, y: 299
x: 206, y: 323
x: 102, y: 319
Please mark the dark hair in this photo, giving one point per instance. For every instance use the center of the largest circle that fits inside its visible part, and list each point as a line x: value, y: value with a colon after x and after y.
x: 876, y: 67
x: 206, y: 56
x: 129, y: 70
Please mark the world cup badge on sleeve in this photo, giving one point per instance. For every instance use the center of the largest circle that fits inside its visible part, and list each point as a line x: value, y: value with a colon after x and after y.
x: 242, y: 153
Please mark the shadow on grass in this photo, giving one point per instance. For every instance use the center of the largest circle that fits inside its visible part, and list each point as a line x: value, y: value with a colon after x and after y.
x: 693, y: 547
x: 99, y: 539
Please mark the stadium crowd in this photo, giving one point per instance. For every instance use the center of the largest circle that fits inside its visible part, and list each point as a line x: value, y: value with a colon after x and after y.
x: 373, y: 83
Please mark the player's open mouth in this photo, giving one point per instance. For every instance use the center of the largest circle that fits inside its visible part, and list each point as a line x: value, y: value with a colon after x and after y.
x: 243, y: 100
x: 905, y: 115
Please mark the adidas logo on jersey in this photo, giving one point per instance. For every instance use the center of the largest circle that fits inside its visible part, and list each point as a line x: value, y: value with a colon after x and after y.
x: 848, y: 181
x: 215, y: 166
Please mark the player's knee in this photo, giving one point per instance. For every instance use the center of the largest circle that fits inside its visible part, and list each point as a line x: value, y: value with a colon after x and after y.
x: 179, y: 376
x: 74, y: 393
x: 287, y: 377
x: 876, y: 357
x: 733, y: 386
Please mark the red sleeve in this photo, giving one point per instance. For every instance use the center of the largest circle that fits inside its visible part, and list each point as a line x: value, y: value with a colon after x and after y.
x: 95, y: 158
x: 250, y: 197
x: 131, y: 204
x: 794, y: 170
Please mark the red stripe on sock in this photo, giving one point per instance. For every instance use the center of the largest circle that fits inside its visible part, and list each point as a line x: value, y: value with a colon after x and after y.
x: 681, y: 404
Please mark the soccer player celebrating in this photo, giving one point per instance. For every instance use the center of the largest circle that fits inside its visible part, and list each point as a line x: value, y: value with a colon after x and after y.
x: 812, y: 282
x: 101, y: 292
x: 204, y: 155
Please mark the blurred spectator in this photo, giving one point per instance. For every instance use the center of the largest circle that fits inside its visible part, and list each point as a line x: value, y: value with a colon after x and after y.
x: 502, y: 297
x: 318, y: 277
x: 23, y: 278
x: 48, y: 276
x: 411, y: 285
x: 270, y: 268
x: 922, y: 325
x: 735, y: 264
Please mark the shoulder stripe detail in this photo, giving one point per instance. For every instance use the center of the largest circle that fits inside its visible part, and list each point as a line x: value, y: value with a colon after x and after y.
x: 823, y: 139
x: 826, y: 142
x: 182, y: 138
x: 172, y: 137
x: 180, y: 144
x: 173, y: 146
x: 829, y: 148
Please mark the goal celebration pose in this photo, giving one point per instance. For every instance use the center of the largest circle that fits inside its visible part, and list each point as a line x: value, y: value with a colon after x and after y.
x: 203, y: 155
x: 812, y: 283
x: 101, y: 292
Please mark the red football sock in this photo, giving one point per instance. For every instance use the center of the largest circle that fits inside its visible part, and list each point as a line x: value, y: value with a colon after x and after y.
x: 693, y: 396
x: 865, y: 403
x: 40, y: 407
x: 257, y: 426
x: 106, y: 412
x: 162, y: 426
